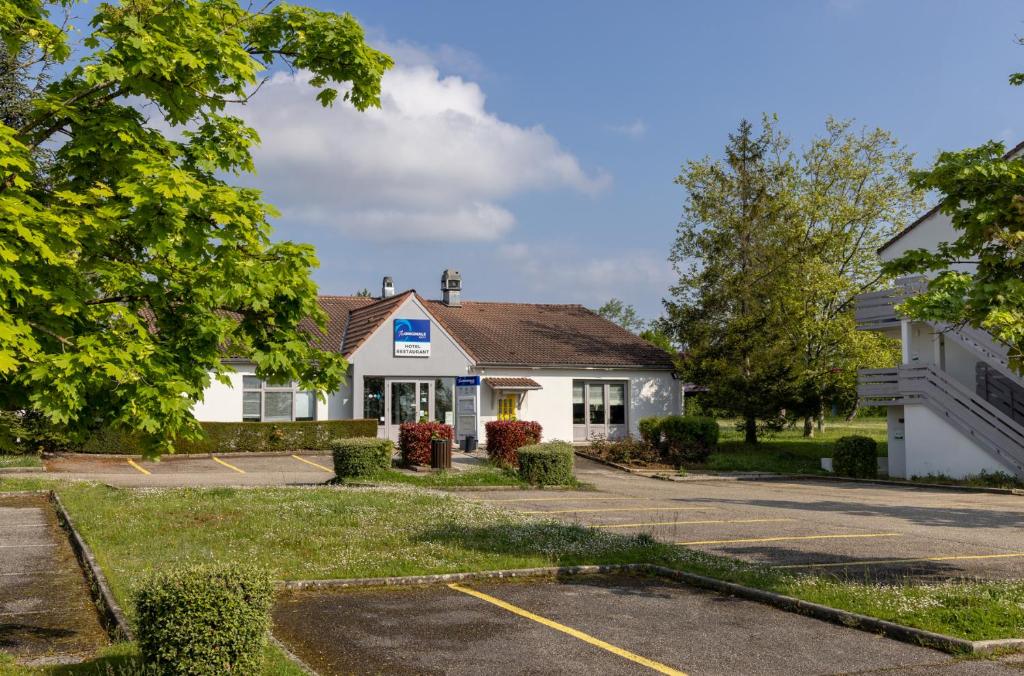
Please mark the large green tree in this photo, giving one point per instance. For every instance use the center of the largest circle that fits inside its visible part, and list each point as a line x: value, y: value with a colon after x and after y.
x: 623, y: 314
x: 772, y: 250
x: 132, y: 265
x: 978, y: 278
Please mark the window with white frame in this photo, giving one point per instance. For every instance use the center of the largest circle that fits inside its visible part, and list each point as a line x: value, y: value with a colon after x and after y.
x: 270, y: 402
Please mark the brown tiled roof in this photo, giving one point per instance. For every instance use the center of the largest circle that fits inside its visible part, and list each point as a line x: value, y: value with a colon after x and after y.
x: 521, y: 334
x: 364, y: 320
x: 513, y: 383
x: 337, y: 309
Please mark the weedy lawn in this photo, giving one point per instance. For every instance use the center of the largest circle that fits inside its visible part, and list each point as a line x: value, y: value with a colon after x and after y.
x: 788, y: 451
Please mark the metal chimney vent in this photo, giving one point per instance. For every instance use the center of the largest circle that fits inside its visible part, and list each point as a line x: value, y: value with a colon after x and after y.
x: 451, y: 286
x: 387, y: 289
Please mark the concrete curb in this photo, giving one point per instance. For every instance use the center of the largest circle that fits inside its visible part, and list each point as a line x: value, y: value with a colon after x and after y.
x: 20, y: 470
x: 665, y: 475
x: 295, y: 659
x: 892, y: 630
x: 110, y: 612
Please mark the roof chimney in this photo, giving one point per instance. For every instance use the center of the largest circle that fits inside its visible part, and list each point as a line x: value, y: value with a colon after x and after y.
x: 451, y: 285
x: 387, y: 289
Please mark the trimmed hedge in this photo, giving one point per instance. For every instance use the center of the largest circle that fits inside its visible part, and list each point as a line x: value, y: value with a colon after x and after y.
x: 505, y: 436
x: 685, y: 438
x: 202, y: 620
x: 855, y: 456
x: 650, y: 431
x: 414, y: 440
x: 359, y: 457
x: 547, y: 464
x: 241, y: 437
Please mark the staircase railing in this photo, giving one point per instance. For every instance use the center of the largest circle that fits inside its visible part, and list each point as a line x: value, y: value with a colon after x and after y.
x: 965, y: 410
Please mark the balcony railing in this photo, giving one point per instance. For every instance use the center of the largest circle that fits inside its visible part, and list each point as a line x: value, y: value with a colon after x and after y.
x: 876, y: 311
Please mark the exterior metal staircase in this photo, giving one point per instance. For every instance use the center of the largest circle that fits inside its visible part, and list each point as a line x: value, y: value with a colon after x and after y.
x: 968, y: 412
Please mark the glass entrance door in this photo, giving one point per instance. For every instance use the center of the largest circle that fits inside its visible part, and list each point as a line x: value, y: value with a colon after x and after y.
x: 409, y: 400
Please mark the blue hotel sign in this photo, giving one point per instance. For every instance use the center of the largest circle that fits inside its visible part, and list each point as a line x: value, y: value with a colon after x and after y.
x: 412, y: 337
x: 467, y: 381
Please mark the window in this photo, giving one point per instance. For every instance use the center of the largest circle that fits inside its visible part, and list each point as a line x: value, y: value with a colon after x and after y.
x: 373, y: 399
x: 579, y: 416
x: 443, y: 390
x: 507, y: 407
x: 616, y: 403
x: 271, y: 402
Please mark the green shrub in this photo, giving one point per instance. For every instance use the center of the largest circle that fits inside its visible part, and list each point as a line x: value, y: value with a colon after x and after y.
x: 650, y: 431
x: 241, y: 437
x: 202, y: 620
x: 360, y: 457
x: 547, y: 464
x: 688, y: 438
x: 855, y: 456
x: 628, y: 450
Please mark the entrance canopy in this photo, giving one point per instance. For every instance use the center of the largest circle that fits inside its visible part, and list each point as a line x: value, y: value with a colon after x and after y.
x: 514, y: 384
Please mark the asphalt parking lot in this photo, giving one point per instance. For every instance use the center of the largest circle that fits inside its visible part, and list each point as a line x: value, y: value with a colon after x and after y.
x: 582, y: 625
x: 851, y: 529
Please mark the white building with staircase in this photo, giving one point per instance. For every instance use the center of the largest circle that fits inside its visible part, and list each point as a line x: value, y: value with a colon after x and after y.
x: 955, y: 407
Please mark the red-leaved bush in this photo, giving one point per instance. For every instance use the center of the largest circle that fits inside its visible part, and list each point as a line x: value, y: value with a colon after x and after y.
x: 414, y: 440
x: 505, y: 436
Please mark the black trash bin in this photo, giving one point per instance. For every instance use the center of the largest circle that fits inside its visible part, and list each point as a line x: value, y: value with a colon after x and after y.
x: 441, y: 453
x: 469, y: 443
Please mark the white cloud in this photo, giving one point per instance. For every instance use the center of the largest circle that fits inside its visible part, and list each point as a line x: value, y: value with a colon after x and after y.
x: 635, y: 129
x: 627, y: 274
x: 432, y: 164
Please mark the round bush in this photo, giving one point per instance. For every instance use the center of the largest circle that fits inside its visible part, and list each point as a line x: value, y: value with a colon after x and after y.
x: 202, y: 620
x: 855, y: 456
x: 688, y: 438
x: 361, y: 456
x: 548, y: 464
x: 414, y: 440
x: 505, y: 436
x: 650, y: 431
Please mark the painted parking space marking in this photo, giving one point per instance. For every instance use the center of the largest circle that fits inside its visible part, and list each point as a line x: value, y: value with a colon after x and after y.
x: 227, y: 464
x: 314, y: 464
x: 620, y: 509
x: 959, y: 557
x: 139, y: 467
x: 793, y: 537
x: 559, y: 499
x: 575, y: 633
x: 684, y: 523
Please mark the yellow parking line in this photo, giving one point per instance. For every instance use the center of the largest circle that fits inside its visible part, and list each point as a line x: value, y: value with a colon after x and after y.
x: 559, y: 499
x: 227, y: 464
x: 683, y: 523
x: 619, y: 509
x: 314, y: 464
x: 964, y: 557
x: 793, y: 537
x: 575, y: 633
x: 139, y: 467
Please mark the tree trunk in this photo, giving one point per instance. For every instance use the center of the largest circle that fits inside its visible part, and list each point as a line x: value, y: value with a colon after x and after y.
x: 853, y: 412
x: 750, y: 429
x: 821, y: 418
x: 808, y: 427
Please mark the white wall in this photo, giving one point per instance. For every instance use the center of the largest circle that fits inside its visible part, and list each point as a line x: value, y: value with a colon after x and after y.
x: 933, y: 446
x: 897, y: 442
x: 221, y: 403
x: 650, y: 393
x: 926, y: 235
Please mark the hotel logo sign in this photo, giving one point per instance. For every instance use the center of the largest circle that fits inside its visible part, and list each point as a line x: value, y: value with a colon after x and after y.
x: 412, y: 337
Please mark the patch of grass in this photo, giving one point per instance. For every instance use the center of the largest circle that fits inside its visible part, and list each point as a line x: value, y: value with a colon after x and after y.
x: 301, y: 533
x: 482, y: 476
x: 123, y: 659
x: 983, y: 480
x: 788, y: 451
x: 20, y: 461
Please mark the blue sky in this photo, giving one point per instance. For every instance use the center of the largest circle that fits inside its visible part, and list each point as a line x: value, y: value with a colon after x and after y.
x: 532, y: 145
